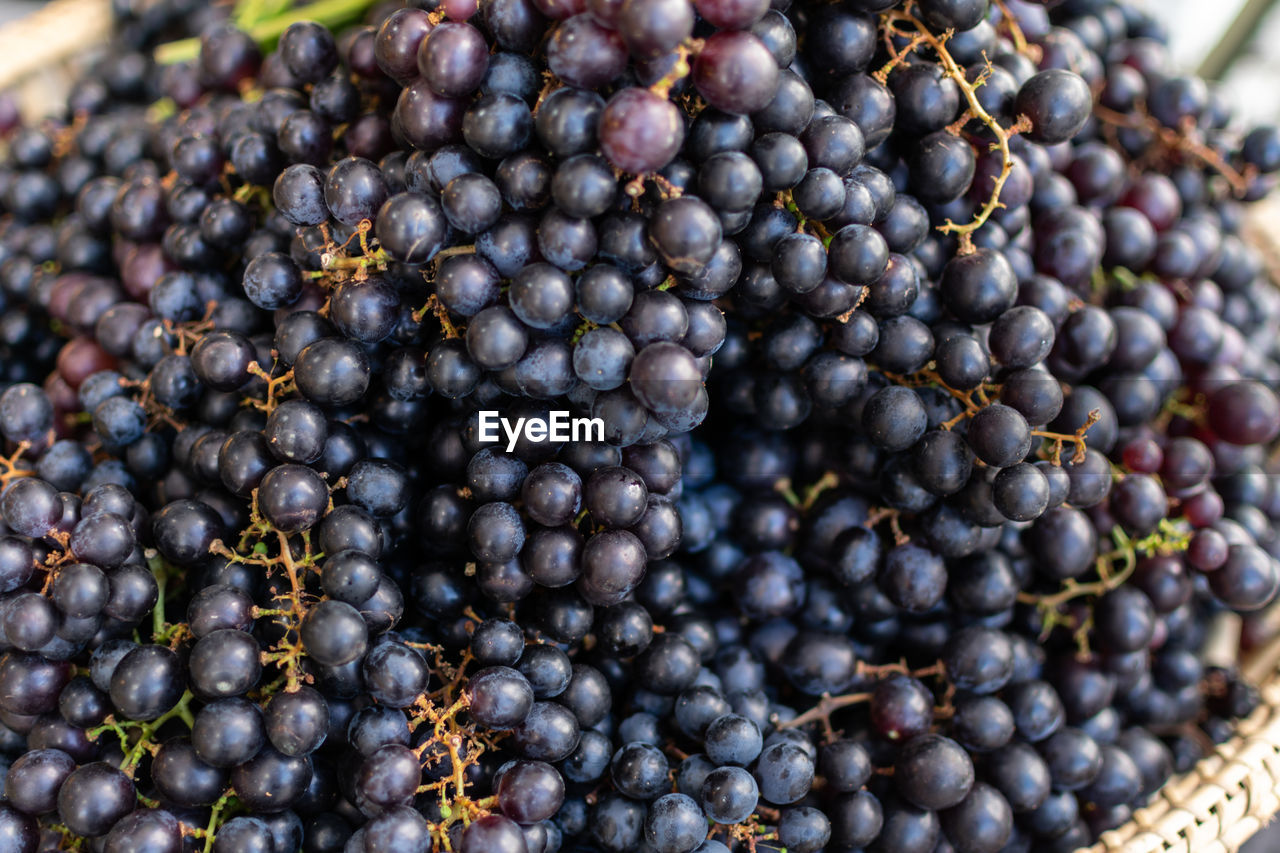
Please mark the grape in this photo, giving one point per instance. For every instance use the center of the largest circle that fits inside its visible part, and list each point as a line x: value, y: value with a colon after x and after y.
x: 674, y: 823
x: 585, y: 54
x: 1117, y: 778
x: 93, y: 797
x: 639, y: 132
x: 784, y: 773
x: 334, y: 633
x: 853, y: 411
x: 735, y: 73
x: 271, y: 780
x: 32, y: 782
x: 894, y: 418
x: 1057, y: 102
x: 935, y: 772
x: 396, y: 46
x: 1245, y: 413
x: 653, y: 27
x: 982, y: 821
x: 453, y: 59
x: 308, y: 51
x: 145, y: 827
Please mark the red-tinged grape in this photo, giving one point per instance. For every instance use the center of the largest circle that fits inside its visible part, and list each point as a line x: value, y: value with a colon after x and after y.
x: 654, y: 27
x: 731, y: 14
x: 585, y: 54
x: 81, y: 357
x: 1245, y: 413
x: 560, y: 9
x: 735, y: 72
x: 459, y: 10
x: 640, y: 132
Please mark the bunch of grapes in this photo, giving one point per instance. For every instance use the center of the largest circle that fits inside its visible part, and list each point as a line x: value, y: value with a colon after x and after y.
x: 930, y: 503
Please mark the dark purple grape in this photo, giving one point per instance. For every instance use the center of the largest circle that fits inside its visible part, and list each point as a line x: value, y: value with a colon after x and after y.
x: 933, y: 772
x: 585, y: 54
x: 94, y: 797
x: 453, y: 59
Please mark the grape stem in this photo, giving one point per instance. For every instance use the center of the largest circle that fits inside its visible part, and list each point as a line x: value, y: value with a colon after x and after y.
x: 1077, y: 438
x: 70, y: 840
x: 1168, y: 538
x: 433, y: 306
x: 461, y: 742
x: 784, y: 487
x: 1180, y: 141
x: 145, y: 731
x: 57, y: 558
x: 897, y: 57
x: 250, y: 12
x: 690, y: 47
x: 10, y: 464
x: 159, y: 571
x: 157, y: 413
x: 666, y: 189
x: 937, y: 669
x: 862, y: 297
x: 749, y: 832
x: 786, y: 201
x: 190, y: 332
x: 288, y: 651
x: 973, y: 400
x: 378, y: 258
x: 1019, y: 39
x: 828, y: 704
x: 879, y: 514
x: 276, y: 386
x: 215, y: 816
x: 1002, y: 134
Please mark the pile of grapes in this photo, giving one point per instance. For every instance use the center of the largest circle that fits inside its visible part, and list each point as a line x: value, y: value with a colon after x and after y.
x: 924, y: 492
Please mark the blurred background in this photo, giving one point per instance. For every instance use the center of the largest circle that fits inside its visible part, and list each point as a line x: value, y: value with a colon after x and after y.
x: 1232, y: 41
x: 10, y: 9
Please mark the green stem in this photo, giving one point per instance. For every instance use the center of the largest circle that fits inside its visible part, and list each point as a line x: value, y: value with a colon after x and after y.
x: 160, y: 571
x: 331, y: 13
x: 181, y: 710
x: 250, y: 12
x: 157, y: 614
x: 110, y: 726
x: 376, y: 258
x: 210, y: 831
x: 788, y: 493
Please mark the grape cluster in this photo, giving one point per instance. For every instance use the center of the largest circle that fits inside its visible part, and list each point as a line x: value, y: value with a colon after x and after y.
x: 932, y: 504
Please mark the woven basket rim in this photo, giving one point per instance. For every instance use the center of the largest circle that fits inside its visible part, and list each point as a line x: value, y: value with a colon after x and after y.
x: 1228, y: 796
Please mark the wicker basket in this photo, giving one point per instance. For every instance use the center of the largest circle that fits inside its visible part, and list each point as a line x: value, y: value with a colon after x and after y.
x: 1215, y: 808
x: 1229, y: 795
